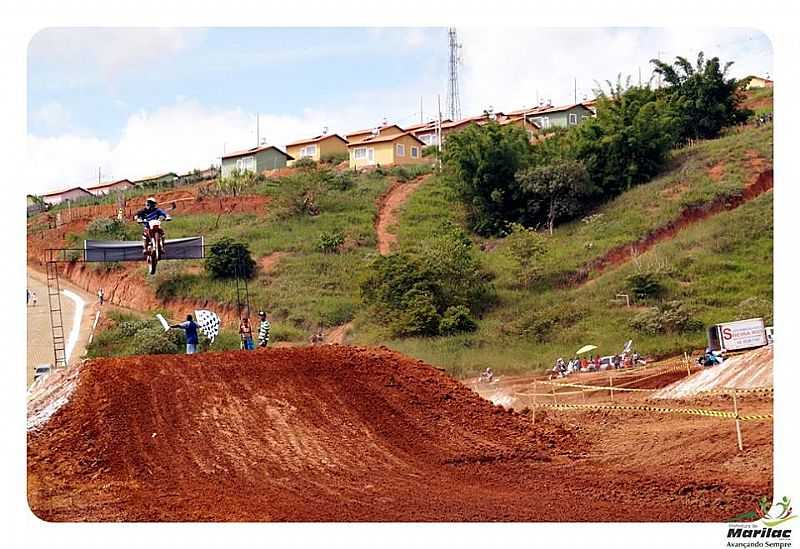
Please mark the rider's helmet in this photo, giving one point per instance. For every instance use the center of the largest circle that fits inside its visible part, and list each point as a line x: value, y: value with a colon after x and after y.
x: 262, y: 314
x: 150, y: 202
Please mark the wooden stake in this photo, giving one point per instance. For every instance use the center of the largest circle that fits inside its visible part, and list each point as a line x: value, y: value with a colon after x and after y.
x: 738, y: 423
x: 533, y: 414
x: 611, y: 385
x: 687, y: 362
x: 555, y: 400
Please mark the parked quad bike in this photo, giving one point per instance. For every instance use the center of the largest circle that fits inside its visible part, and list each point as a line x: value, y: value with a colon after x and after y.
x: 154, y: 247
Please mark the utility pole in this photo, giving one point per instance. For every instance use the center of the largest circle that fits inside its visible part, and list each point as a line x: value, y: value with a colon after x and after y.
x: 98, y: 175
x: 258, y: 132
x: 421, y: 121
x: 439, y: 130
x: 453, y: 100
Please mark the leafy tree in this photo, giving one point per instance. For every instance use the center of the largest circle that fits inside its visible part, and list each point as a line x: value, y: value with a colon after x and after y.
x: 628, y: 141
x: 228, y: 258
x: 704, y: 97
x: 412, y: 291
x: 457, y: 319
x: 556, y: 191
x: 668, y: 318
x: 480, y: 164
x: 525, y: 246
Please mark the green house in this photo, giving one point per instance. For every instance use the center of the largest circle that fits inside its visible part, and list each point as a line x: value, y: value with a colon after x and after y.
x: 256, y: 160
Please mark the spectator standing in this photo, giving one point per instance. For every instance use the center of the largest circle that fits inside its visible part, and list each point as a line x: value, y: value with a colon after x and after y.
x: 246, y: 333
x: 263, y: 329
x: 190, y: 327
x: 101, y: 296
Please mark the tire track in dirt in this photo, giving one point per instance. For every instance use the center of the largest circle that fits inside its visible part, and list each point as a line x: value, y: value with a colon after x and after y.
x: 689, y: 216
x: 388, y: 210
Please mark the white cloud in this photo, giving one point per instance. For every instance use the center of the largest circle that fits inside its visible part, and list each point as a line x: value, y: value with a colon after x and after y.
x: 52, y: 116
x: 110, y: 50
x: 179, y: 138
x: 506, y: 68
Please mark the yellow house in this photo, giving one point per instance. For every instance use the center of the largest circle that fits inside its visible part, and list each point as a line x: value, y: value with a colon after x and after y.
x: 386, y: 129
x: 393, y: 149
x: 317, y: 147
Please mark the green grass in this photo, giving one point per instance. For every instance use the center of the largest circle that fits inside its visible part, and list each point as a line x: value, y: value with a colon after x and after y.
x: 711, y: 266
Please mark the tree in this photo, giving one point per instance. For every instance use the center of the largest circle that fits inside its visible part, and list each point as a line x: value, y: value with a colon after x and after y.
x: 480, y: 163
x: 228, y: 259
x: 556, y: 190
x: 704, y: 97
x: 525, y: 246
x: 629, y: 140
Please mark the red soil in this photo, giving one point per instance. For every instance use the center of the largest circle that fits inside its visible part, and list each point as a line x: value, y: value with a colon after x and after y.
x: 349, y: 434
x: 689, y: 216
x: 388, y: 210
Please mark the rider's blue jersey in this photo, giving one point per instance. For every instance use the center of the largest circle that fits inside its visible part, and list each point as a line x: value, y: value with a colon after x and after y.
x: 149, y: 215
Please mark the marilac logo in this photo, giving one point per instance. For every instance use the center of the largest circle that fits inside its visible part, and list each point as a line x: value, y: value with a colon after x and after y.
x: 782, y: 511
x: 753, y: 532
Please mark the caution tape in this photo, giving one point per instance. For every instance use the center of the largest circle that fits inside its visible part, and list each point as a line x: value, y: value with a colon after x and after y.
x: 656, y: 409
x: 737, y: 390
x: 563, y: 393
x: 596, y: 387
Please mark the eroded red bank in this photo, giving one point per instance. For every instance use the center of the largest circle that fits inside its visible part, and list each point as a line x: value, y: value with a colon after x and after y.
x: 340, y: 434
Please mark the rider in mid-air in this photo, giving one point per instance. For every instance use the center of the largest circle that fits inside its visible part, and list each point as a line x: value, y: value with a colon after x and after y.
x: 150, y: 212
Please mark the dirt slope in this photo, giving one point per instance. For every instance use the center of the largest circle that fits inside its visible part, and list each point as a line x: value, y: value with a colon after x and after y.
x: 745, y: 371
x: 388, y: 212
x: 341, y: 433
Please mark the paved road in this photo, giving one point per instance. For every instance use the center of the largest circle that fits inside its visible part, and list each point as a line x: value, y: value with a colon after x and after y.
x: 40, y: 341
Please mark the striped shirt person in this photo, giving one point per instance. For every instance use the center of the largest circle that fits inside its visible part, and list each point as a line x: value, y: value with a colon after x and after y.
x: 263, y: 329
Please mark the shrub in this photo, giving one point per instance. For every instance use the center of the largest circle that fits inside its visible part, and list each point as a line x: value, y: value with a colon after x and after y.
x: 227, y: 259
x: 525, y: 247
x: 430, y: 150
x: 330, y: 242
x: 334, y: 158
x: 418, y: 315
x: 129, y: 328
x: 411, y: 291
x: 305, y: 162
x: 457, y: 319
x: 669, y: 318
x: 106, y: 228
x: 154, y: 341
x: 754, y: 307
x: 539, y: 325
x: 342, y: 181
x: 554, y: 191
x: 644, y: 285
x: 237, y: 183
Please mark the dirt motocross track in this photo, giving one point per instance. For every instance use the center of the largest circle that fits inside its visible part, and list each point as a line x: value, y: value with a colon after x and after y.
x: 340, y: 433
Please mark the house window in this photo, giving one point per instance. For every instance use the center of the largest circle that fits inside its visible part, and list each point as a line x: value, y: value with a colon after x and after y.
x: 401, y: 149
x: 370, y: 155
x: 543, y: 121
x: 573, y: 119
x: 360, y: 153
x: 414, y: 152
x: 308, y: 150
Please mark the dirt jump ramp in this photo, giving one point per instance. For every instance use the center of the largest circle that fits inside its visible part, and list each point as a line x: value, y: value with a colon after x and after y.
x: 327, y: 433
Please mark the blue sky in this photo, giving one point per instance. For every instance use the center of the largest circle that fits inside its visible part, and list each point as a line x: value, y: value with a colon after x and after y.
x: 140, y: 101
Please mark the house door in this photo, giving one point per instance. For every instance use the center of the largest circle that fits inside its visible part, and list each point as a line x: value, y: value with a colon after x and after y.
x: 371, y: 155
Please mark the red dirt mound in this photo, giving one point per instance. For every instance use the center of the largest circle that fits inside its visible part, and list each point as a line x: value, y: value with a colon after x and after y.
x: 327, y: 433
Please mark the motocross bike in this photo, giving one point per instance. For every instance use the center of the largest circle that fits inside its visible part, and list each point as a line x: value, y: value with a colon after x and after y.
x: 154, y: 243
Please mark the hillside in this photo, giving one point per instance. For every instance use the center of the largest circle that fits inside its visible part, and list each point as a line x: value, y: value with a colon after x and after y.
x: 704, y: 226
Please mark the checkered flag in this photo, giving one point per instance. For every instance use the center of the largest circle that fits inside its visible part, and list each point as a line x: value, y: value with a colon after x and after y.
x: 208, y: 322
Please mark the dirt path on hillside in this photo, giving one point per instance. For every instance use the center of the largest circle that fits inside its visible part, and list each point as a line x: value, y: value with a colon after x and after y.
x: 389, y: 210
x: 334, y: 433
x: 623, y: 253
